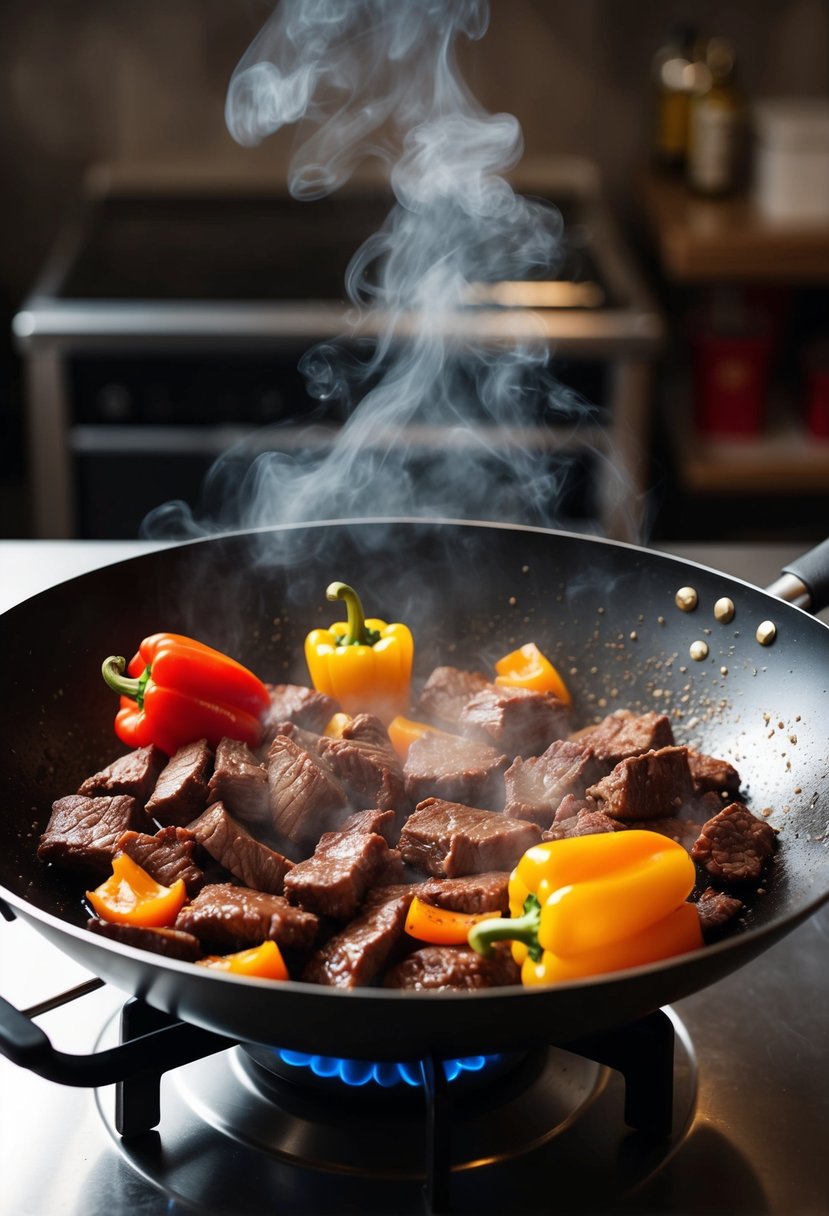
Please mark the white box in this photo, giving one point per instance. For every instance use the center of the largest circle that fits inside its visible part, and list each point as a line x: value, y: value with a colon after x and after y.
x: 791, y: 158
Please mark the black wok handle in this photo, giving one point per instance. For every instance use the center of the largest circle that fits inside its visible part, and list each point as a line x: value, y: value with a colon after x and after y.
x: 25, y: 1044
x: 805, y: 581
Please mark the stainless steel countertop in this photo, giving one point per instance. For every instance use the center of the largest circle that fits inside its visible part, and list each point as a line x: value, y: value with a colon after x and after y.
x: 757, y: 1145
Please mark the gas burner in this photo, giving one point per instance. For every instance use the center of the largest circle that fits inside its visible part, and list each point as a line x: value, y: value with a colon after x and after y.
x: 233, y: 1129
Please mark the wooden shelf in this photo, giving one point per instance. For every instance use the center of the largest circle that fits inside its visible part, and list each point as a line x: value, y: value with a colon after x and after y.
x: 783, y: 459
x: 709, y: 241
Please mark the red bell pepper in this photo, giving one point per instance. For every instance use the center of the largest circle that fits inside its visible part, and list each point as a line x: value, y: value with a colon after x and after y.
x: 178, y: 690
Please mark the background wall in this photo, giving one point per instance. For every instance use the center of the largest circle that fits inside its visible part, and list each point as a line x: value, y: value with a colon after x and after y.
x: 85, y: 81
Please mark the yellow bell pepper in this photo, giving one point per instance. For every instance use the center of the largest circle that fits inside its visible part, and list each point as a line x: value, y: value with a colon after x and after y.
x: 365, y: 664
x: 591, y: 904
x: 441, y: 926
x: 527, y: 667
x: 404, y: 731
x: 265, y: 962
x: 130, y: 896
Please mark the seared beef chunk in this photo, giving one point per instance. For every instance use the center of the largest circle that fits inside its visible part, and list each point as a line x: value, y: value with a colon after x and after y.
x: 83, y: 833
x: 240, y: 782
x: 305, y: 707
x: 649, y: 786
x: 249, y: 861
x: 381, y: 822
x: 356, y: 956
x: 683, y: 831
x: 536, y: 787
x: 734, y: 845
x: 453, y: 969
x: 446, y: 693
x: 166, y: 856
x: 181, y: 790
x: 134, y: 774
x: 570, y: 806
x: 716, y: 911
x: 623, y: 733
x: 226, y: 918
x: 447, y: 839
x: 519, y: 721
x: 583, y: 823
x: 305, y: 797
x: 343, y: 867
x: 708, y: 773
x: 172, y: 943
x: 365, y: 762
x: 471, y: 893
x: 455, y: 768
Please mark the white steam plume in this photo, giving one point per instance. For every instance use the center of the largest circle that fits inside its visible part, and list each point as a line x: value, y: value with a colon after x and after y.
x: 378, y: 79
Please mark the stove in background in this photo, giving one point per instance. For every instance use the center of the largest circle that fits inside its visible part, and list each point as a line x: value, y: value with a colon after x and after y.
x: 169, y: 324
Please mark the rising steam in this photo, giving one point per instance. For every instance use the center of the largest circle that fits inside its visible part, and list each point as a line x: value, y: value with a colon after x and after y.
x: 437, y: 377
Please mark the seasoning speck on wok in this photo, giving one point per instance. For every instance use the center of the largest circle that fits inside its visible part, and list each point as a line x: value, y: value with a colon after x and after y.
x: 458, y: 833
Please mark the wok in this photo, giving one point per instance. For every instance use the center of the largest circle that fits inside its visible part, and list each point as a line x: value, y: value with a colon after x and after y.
x: 603, y: 611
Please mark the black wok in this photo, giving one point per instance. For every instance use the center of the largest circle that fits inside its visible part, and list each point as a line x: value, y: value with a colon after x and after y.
x: 606, y: 615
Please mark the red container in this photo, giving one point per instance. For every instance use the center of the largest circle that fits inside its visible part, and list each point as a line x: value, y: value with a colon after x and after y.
x: 731, y: 374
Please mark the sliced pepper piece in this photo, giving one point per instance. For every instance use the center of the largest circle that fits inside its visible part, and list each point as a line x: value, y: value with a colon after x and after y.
x: 263, y: 962
x: 130, y: 896
x: 527, y: 667
x: 441, y: 926
x: 365, y: 664
x: 178, y: 690
x: 587, y: 898
x: 404, y: 731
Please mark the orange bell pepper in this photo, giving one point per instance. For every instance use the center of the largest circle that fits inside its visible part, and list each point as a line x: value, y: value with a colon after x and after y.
x: 590, y: 904
x: 404, y: 731
x: 527, y: 667
x: 131, y: 897
x: 441, y: 926
x: 263, y: 962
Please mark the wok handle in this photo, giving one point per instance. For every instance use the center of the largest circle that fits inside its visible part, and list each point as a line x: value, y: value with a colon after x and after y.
x: 804, y: 582
x: 26, y: 1045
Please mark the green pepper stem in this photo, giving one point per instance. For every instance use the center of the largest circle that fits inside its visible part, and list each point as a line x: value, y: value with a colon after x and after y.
x: 112, y: 669
x: 484, y: 935
x: 358, y: 634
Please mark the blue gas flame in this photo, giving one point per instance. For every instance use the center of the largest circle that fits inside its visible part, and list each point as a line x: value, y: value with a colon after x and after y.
x: 382, y: 1073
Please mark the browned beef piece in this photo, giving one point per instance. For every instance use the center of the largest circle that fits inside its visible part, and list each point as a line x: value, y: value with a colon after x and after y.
x: 536, y: 787
x: 303, y: 706
x: 453, y: 969
x: 305, y: 798
x: 83, y: 833
x: 716, y: 911
x: 135, y: 773
x: 230, y: 844
x: 624, y: 733
x: 649, y: 786
x: 365, y: 762
x: 455, y: 768
x: 446, y: 693
x: 226, y: 918
x: 583, y: 823
x: 735, y: 845
x: 354, y: 957
x: 381, y: 822
x: 709, y: 773
x: 172, y: 943
x: 683, y: 831
x: 570, y: 806
x: 447, y: 839
x: 240, y: 782
x: 181, y: 790
x: 166, y: 856
x: 518, y: 721
x: 471, y: 893
x: 343, y: 867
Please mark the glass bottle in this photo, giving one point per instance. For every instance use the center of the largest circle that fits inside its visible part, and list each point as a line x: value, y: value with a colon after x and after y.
x: 671, y: 66
x: 715, y: 123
